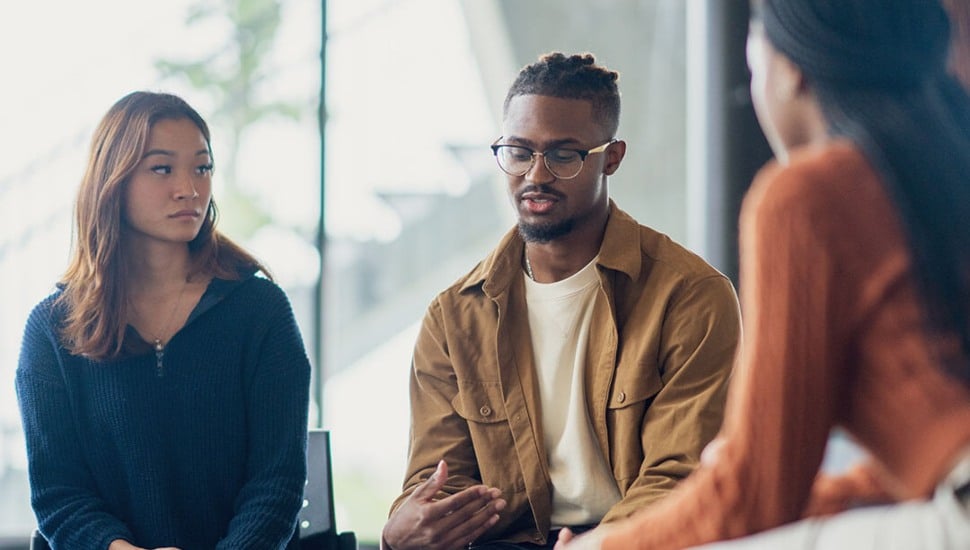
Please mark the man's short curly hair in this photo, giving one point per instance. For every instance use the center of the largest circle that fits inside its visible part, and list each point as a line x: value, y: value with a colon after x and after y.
x: 574, y: 77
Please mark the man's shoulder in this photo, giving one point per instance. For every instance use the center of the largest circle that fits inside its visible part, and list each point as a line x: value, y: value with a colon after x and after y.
x: 658, y: 253
x: 494, y: 269
x: 665, y: 251
x: 472, y: 280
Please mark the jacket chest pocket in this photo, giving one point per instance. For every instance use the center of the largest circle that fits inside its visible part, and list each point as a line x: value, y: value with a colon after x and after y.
x: 633, y: 391
x: 634, y: 385
x: 480, y: 402
x: 482, y: 405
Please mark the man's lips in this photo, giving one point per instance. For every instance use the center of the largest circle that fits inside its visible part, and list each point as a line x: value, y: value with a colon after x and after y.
x: 537, y: 193
x: 538, y: 203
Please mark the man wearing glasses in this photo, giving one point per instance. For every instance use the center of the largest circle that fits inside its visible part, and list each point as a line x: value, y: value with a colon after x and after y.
x: 576, y: 373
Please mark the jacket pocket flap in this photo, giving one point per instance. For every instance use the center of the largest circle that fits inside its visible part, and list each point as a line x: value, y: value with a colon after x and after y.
x: 634, y: 385
x: 480, y: 402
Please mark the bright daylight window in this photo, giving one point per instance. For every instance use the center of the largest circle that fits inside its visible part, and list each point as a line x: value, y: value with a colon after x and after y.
x: 413, y: 197
x: 61, y: 73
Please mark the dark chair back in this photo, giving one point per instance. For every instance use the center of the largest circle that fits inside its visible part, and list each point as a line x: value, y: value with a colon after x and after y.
x: 38, y: 542
x: 316, y: 522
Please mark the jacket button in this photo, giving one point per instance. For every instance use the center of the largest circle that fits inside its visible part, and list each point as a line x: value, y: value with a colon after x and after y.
x: 485, y: 410
x: 621, y: 398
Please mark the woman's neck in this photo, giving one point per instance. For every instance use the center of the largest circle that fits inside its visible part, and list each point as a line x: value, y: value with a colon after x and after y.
x: 159, y: 267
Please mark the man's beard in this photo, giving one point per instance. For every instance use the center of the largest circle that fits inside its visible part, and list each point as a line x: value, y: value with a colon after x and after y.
x: 544, y: 232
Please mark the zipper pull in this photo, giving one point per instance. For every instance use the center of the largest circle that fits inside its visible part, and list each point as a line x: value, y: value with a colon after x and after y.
x: 159, y: 354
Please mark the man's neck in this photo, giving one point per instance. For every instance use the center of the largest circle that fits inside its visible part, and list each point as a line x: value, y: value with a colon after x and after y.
x: 563, y: 257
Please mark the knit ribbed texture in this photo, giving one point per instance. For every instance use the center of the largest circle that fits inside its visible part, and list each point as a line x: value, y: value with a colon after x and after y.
x: 209, y: 455
x: 834, y: 334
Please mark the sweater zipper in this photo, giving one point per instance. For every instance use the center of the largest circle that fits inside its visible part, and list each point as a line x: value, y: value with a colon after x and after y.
x: 159, y: 354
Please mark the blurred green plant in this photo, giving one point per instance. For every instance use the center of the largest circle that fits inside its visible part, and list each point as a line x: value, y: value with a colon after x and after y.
x: 233, y: 74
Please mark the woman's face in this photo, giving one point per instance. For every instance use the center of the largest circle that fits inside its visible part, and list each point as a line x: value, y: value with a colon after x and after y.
x: 774, y: 87
x: 167, y: 195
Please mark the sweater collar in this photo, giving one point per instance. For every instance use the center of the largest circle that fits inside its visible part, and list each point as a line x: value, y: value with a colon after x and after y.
x: 217, y: 291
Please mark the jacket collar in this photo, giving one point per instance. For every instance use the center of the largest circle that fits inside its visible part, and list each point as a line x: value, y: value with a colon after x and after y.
x: 619, y: 251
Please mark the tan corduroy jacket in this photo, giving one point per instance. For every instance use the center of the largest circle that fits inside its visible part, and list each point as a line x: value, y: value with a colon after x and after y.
x: 665, y: 331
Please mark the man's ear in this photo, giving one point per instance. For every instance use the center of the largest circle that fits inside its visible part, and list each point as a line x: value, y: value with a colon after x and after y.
x: 614, y: 155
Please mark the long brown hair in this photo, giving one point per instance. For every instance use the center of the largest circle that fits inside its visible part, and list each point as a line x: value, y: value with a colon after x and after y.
x: 94, y: 284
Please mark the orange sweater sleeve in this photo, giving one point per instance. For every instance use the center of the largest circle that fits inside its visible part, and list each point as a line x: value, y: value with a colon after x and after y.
x: 785, y: 395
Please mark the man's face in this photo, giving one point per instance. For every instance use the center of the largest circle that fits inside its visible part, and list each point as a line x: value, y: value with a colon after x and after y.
x: 547, y: 206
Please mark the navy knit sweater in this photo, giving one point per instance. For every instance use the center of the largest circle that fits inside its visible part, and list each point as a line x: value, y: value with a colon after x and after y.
x: 203, y: 449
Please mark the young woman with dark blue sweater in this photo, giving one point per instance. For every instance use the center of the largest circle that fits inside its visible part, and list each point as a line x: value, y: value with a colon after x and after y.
x: 164, y: 384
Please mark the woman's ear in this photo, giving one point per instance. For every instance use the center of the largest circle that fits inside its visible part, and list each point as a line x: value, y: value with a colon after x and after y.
x: 791, y: 82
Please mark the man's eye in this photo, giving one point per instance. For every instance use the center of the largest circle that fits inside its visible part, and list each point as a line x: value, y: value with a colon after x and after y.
x: 519, y: 153
x: 562, y: 155
x: 161, y: 169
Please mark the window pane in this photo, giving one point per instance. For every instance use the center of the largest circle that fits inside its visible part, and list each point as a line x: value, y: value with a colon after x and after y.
x: 70, y: 69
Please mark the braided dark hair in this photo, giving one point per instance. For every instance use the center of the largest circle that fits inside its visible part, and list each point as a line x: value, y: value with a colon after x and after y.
x: 574, y: 77
x: 878, y: 69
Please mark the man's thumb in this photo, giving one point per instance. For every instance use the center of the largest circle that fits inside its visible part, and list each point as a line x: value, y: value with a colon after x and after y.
x: 440, y: 475
x: 434, y: 483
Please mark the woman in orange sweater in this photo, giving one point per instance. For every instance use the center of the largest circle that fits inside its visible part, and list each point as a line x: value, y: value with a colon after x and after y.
x: 855, y: 287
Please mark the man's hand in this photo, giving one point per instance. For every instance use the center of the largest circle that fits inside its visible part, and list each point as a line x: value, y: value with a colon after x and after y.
x: 453, y: 522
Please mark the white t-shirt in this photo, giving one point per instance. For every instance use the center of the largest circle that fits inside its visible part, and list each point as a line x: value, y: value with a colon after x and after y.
x: 560, y: 315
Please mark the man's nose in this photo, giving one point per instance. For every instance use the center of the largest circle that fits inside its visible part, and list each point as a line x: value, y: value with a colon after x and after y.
x: 539, y: 172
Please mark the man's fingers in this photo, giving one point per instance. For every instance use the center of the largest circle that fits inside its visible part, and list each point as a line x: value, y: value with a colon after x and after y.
x: 461, y: 507
x: 452, y: 522
x: 480, y: 530
x: 462, y: 532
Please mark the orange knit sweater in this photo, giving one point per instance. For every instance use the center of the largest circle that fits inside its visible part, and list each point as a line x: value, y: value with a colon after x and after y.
x: 834, y: 335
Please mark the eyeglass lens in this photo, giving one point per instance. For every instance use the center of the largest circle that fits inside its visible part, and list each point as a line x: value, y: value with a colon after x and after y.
x: 517, y: 161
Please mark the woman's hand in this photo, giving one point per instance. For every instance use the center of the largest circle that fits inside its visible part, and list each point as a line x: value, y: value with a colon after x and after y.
x: 121, y: 544
x: 860, y: 485
x: 590, y: 540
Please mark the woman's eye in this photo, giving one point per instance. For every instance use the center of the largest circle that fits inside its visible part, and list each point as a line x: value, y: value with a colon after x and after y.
x: 204, y: 169
x: 161, y: 169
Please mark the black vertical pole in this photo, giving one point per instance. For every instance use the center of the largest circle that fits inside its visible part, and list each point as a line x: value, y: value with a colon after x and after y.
x: 736, y: 146
x: 319, y: 319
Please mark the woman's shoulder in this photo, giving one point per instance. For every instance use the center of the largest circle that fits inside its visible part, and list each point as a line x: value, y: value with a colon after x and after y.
x: 816, y: 180
x: 50, y: 307
x: 250, y: 287
x: 45, y: 318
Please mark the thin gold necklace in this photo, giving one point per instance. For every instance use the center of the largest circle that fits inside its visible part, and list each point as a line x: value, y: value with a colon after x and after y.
x: 157, y: 337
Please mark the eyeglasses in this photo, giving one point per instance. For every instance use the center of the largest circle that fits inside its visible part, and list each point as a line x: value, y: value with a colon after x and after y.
x: 562, y: 162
